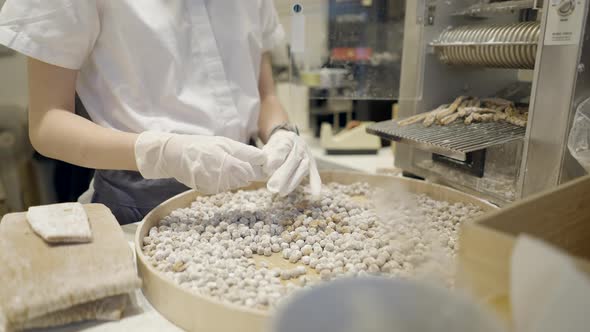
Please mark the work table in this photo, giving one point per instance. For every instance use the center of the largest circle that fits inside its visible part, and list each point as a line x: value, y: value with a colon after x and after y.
x: 141, y: 316
x: 370, y: 164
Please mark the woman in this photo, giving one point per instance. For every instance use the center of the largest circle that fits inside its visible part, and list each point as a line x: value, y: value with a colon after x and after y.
x: 175, y: 89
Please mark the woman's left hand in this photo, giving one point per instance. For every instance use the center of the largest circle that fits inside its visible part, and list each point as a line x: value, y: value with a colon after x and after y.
x: 289, y: 160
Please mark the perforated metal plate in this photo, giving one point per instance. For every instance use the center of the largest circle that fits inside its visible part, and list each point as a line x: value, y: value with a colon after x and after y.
x: 454, y: 140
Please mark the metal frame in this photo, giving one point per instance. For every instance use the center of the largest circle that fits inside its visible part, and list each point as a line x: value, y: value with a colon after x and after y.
x: 545, y: 161
x: 555, y: 84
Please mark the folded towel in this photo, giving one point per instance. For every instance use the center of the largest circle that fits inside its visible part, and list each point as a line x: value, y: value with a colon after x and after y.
x: 38, y: 278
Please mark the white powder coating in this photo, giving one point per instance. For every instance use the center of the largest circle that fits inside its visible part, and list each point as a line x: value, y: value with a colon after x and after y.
x: 66, y: 222
x: 210, y: 248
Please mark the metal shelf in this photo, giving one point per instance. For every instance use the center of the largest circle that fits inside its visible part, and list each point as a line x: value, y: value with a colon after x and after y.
x: 455, y: 140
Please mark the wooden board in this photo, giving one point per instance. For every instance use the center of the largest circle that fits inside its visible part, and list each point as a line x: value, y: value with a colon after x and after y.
x: 195, y: 312
x: 55, y: 277
x: 560, y: 217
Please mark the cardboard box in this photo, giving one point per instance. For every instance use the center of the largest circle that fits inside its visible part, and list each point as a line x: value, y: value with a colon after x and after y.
x: 560, y: 217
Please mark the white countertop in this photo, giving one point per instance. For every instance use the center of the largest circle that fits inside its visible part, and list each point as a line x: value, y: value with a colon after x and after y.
x: 362, y: 163
x: 141, y: 316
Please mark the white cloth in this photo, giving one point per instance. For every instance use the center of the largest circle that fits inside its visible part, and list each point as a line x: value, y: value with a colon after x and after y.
x: 86, y: 197
x: 182, y: 66
x: 288, y: 161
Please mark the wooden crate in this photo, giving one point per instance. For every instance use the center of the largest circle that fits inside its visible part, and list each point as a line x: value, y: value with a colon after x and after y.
x: 560, y: 217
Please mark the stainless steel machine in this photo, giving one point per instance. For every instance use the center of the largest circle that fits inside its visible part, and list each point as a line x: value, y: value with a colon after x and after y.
x: 535, y: 53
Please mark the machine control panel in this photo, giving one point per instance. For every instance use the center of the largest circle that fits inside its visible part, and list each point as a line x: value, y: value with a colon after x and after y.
x: 566, y: 7
x: 565, y: 20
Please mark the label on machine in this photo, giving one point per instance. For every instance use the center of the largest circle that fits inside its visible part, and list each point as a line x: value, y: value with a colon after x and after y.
x: 565, y: 20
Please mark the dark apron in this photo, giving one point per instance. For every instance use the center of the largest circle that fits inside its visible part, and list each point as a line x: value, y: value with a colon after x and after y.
x: 129, y: 196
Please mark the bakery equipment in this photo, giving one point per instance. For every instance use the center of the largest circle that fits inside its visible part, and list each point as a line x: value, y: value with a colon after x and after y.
x: 533, y: 53
x: 349, y: 141
x: 511, y: 45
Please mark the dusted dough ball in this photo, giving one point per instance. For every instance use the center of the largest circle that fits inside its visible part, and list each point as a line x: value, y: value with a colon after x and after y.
x: 212, y: 247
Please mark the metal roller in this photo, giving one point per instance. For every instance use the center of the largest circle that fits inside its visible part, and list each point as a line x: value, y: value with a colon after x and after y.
x: 495, y: 45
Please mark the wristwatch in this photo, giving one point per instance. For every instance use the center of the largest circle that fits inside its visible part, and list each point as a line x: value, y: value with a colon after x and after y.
x: 284, y: 126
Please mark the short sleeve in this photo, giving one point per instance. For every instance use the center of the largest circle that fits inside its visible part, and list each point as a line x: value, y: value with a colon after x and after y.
x: 272, y: 30
x: 59, y: 32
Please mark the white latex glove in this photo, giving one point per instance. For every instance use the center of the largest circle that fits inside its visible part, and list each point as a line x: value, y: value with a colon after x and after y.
x: 288, y: 161
x: 210, y: 164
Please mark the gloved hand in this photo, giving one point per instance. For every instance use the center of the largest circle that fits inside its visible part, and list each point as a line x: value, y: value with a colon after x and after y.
x: 288, y: 161
x: 211, y: 164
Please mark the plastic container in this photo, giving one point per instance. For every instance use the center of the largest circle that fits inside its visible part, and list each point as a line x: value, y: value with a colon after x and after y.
x: 579, y: 138
x: 382, y: 305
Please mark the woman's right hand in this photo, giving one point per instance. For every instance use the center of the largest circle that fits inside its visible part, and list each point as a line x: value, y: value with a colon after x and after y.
x: 210, y: 164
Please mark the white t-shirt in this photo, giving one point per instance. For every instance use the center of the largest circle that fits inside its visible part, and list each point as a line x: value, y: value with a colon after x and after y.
x: 182, y: 66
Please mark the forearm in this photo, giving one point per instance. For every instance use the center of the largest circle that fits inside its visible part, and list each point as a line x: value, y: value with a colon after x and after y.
x: 57, y: 132
x: 63, y: 135
x: 272, y: 114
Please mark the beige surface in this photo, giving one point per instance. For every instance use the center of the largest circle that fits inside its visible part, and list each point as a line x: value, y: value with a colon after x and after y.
x: 560, y: 217
x: 200, y: 313
x: 38, y: 278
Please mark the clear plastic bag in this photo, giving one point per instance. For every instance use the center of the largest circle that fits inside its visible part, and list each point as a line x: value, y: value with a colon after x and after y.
x: 579, y: 138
